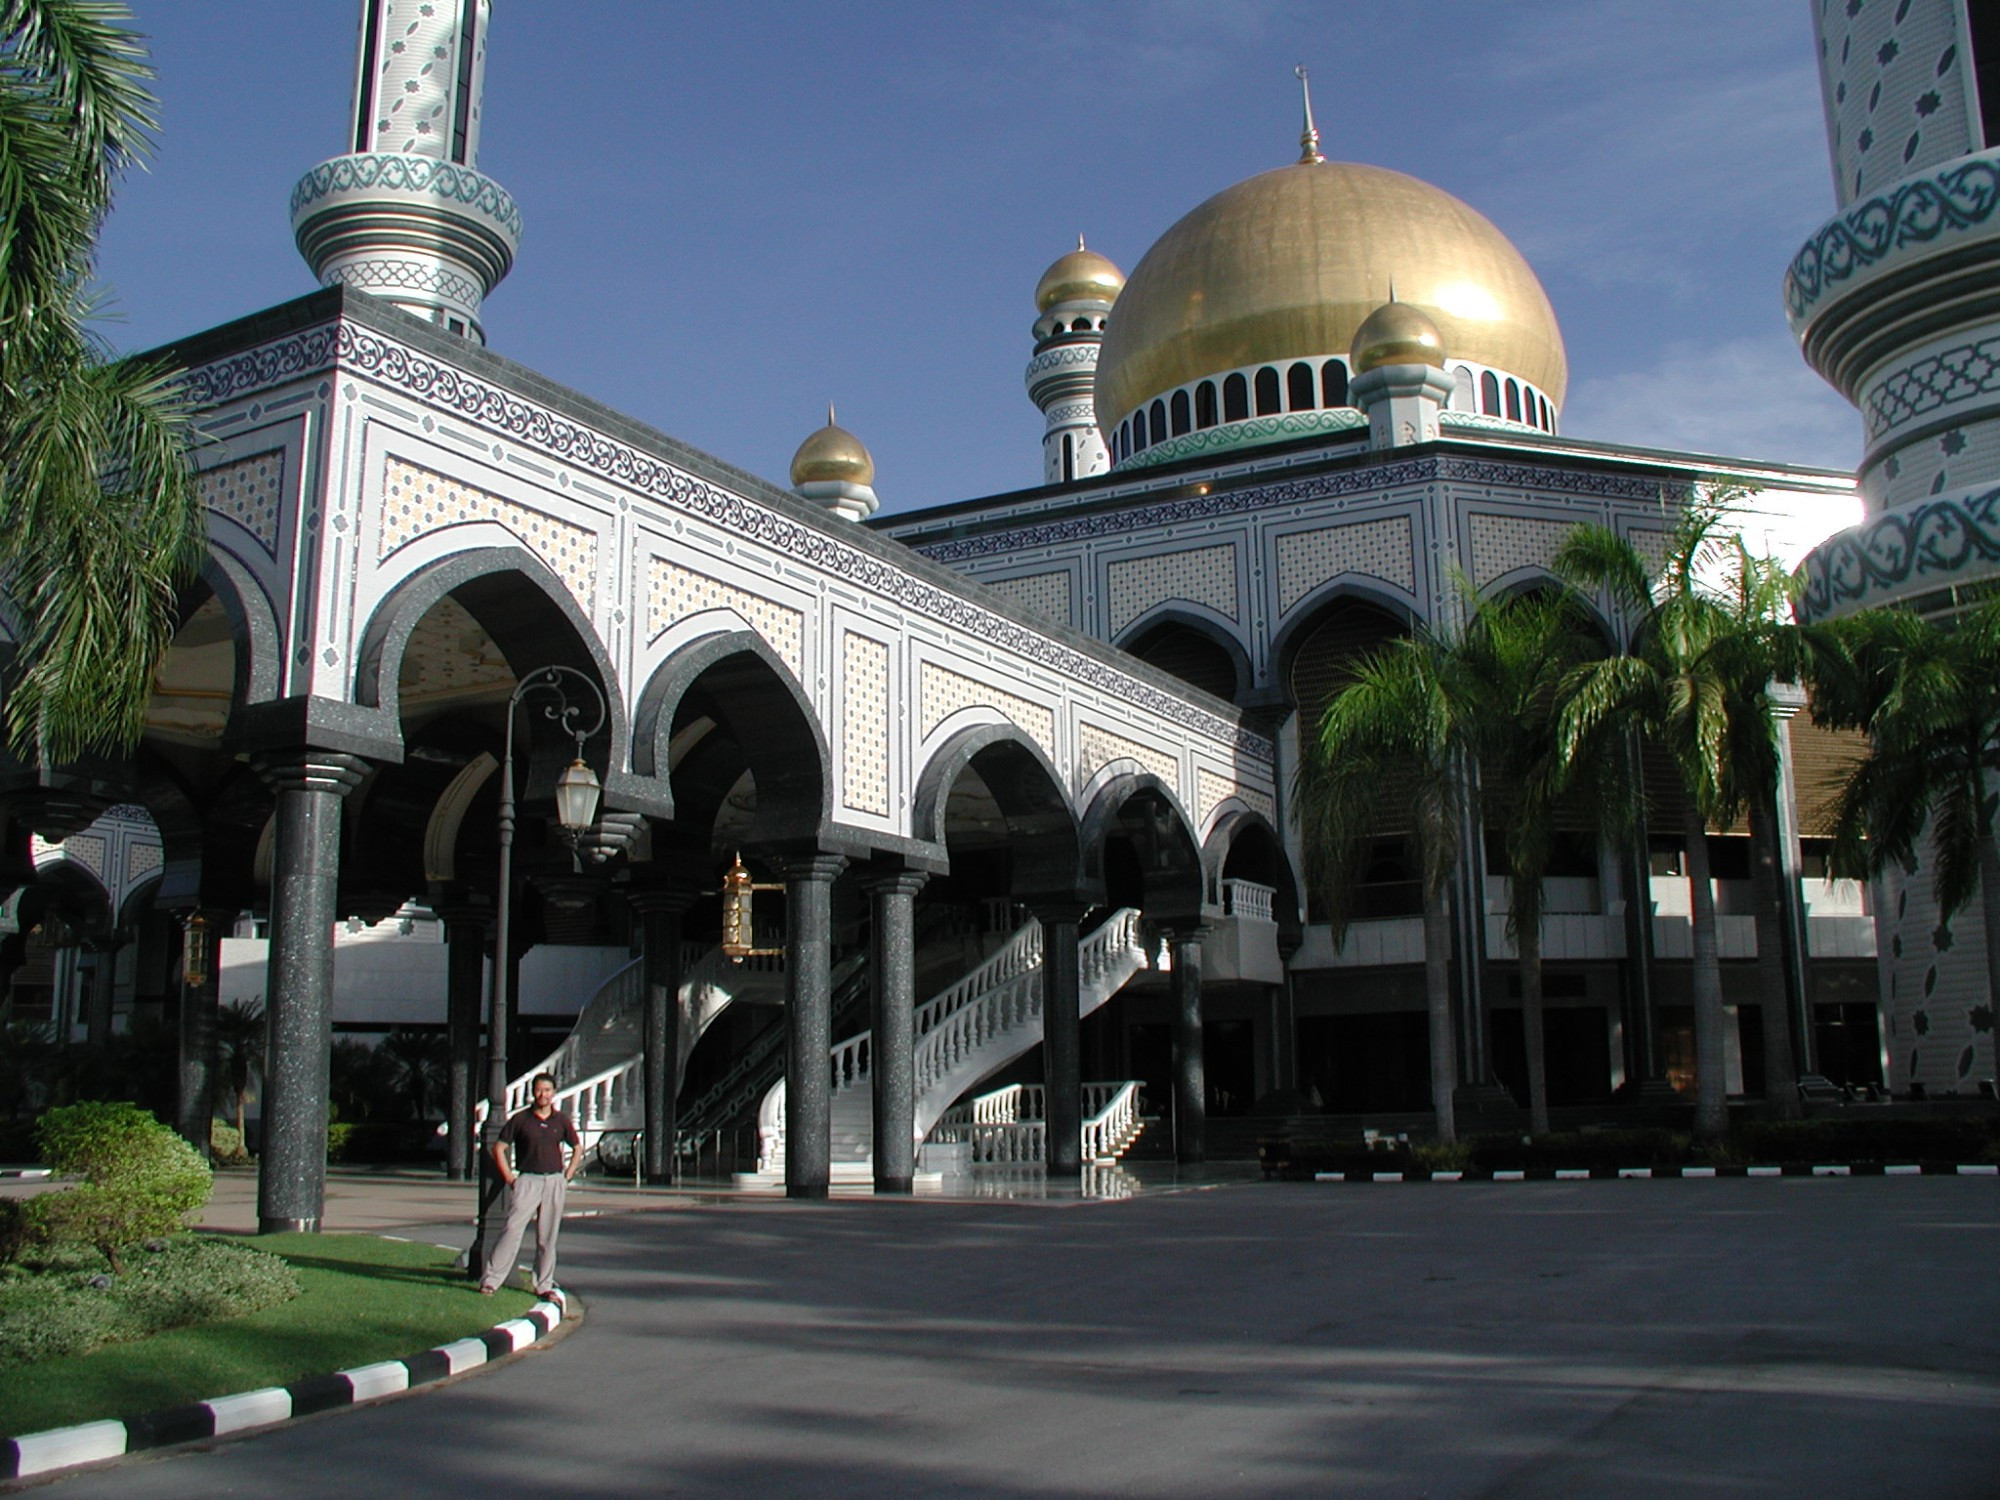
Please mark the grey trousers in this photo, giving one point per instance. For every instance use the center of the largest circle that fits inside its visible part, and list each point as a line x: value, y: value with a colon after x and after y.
x: 538, y: 1196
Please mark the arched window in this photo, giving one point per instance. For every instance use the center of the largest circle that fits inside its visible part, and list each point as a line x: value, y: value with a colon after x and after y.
x: 1139, y: 430
x: 1159, y: 422
x: 1333, y: 384
x: 1081, y: 325
x: 1267, y: 392
x: 1069, y: 460
x: 1204, y: 404
x: 1235, y: 399
x: 1461, y: 392
x: 1299, y: 387
x: 1180, y: 407
x: 1489, y: 393
x: 1548, y: 421
x: 1124, y: 441
x: 1513, y: 402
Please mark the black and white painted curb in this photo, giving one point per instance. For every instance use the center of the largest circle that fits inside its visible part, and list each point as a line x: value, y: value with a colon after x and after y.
x: 93, y: 1442
x: 1605, y: 1174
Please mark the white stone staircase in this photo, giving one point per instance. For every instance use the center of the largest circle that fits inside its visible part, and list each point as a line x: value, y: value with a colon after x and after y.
x: 1008, y: 1127
x: 598, y: 1066
x: 967, y: 1033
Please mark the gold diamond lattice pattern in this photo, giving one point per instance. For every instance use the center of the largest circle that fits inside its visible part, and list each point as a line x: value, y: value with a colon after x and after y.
x: 1201, y: 575
x: 1500, y: 544
x: 943, y: 693
x: 1212, y: 789
x: 1044, y: 593
x: 417, y: 501
x: 864, y: 723
x: 674, y: 592
x: 1378, y: 549
x: 247, y: 491
x: 1100, y: 747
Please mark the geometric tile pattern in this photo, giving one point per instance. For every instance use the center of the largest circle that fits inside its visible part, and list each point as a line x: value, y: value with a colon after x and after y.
x: 1379, y: 549
x: 1899, y: 104
x: 88, y: 852
x: 1101, y: 746
x: 247, y: 491
x: 1045, y: 593
x: 864, y: 724
x: 943, y: 693
x: 143, y: 859
x: 1205, y: 575
x: 674, y: 592
x: 417, y: 501
x: 1500, y: 544
x: 1211, y: 789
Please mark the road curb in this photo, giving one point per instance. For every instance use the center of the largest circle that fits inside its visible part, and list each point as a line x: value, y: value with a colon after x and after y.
x: 40, y: 1454
x: 1612, y: 1174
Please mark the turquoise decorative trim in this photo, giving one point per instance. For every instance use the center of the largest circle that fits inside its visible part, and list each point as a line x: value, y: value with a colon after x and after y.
x: 427, y: 175
x: 1449, y: 418
x: 1917, y: 212
x: 1932, y: 383
x: 1933, y: 542
x: 1245, y: 434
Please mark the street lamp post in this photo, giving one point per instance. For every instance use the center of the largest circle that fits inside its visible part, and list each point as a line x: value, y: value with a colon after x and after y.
x: 576, y: 806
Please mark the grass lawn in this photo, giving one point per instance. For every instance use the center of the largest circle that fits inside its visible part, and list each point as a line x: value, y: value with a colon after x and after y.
x: 364, y: 1299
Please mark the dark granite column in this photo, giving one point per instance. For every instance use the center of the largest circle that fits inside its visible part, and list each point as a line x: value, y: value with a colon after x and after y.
x: 809, y: 1022
x: 1190, y: 1078
x: 1062, y: 1059
x: 465, y: 934
x: 98, y: 1004
x: 194, y: 1097
x: 661, y: 910
x: 892, y: 959
x: 1285, y: 1023
x: 291, y: 1174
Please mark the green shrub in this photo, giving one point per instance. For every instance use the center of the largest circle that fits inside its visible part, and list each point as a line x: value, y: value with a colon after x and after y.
x: 140, y: 1179
x: 1441, y: 1156
x: 225, y: 1143
x: 66, y: 1309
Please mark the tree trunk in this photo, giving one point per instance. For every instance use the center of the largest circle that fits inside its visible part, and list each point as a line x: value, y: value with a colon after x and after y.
x: 1437, y: 996
x: 1781, y: 1077
x: 1711, y: 1094
x: 1989, y: 908
x: 1528, y: 942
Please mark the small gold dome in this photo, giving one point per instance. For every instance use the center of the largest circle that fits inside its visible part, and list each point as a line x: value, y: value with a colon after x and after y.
x: 1080, y: 276
x: 1290, y: 262
x: 832, y: 454
x: 1396, y: 333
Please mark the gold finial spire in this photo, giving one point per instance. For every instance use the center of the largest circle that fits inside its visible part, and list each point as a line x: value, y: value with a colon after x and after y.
x: 829, y: 414
x: 1079, y: 239
x: 1309, y: 137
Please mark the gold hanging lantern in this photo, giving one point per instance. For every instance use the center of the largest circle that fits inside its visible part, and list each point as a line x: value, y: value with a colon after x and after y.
x: 738, y: 925
x: 194, y: 952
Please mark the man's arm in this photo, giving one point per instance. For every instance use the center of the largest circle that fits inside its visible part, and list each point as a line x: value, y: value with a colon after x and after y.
x: 502, y: 1162
x: 575, y: 1144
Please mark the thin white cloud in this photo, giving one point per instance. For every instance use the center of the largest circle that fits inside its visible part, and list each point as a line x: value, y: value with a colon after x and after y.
x: 1751, y: 397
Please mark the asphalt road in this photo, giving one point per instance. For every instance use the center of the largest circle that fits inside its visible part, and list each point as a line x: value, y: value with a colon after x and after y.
x: 1798, y: 1337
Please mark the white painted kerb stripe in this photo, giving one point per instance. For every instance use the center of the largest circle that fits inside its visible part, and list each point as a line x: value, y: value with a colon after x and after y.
x: 385, y: 1379
x: 521, y: 1331
x: 465, y: 1354
x: 250, y: 1409
x: 62, y: 1446
x: 1766, y: 1171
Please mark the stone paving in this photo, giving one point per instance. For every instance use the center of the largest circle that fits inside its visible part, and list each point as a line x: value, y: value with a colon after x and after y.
x: 1794, y: 1337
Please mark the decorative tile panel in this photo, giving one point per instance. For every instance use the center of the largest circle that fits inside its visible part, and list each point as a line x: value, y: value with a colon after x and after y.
x: 675, y: 592
x: 944, y: 692
x: 1201, y: 575
x: 1212, y: 789
x: 1044, y: 593
x: 864, y: 724
x: 87, y: 850
x: 1101, y: 747
x: 1898, y: 105
x: 1379, y: 549
x: 1501, y: 544
x: 143, y: 859
x: 417, y: 501
x: 248, y: 492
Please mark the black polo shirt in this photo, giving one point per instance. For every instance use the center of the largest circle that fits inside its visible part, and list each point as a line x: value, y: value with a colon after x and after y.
x: 538, y: 1143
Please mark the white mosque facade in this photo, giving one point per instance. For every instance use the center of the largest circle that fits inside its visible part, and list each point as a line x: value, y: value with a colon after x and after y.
x: 1019, y: 764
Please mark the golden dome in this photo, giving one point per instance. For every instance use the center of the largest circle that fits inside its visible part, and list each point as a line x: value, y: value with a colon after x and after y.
x: 832, y: 454
x: 1396, y: 333
x: 1080, y: 276
x: 1292, y: 261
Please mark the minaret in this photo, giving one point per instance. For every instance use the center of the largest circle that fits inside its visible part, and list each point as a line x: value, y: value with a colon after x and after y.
x: 1073, y: 300
x: 406, y: 216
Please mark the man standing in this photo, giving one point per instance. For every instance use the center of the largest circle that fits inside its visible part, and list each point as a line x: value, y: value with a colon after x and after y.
x: 536, y: 1179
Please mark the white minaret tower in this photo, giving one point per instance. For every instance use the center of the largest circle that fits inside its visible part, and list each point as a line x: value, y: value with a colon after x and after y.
x: 406, y: 216
x: 1073, y: 301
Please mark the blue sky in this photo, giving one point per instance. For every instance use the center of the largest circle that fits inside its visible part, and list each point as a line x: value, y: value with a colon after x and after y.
x: 735, y: 214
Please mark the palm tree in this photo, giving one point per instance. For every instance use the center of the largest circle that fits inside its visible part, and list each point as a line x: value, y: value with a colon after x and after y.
x: 239, y: 1046
x: 1396, y: 734
x: 99, y: 522
x: 1706, y: 638
x: 1928, y: 695
x: 416, y: 1062
x: 1519, y: 653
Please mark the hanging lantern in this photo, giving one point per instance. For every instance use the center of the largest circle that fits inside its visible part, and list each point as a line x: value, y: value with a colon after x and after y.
x: 576, y: 797
x: 738, y: 921
x: 194, y: 952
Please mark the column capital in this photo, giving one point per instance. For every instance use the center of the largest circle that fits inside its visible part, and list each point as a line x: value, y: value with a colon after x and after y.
x: 613, y: 834
x: 1057, y: 910
x: 1187, y: 933
x: 817, y: 866
x: 896, y: 883
x: 310, y: 770
x: 672, y: 897
x: 464, y: 914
